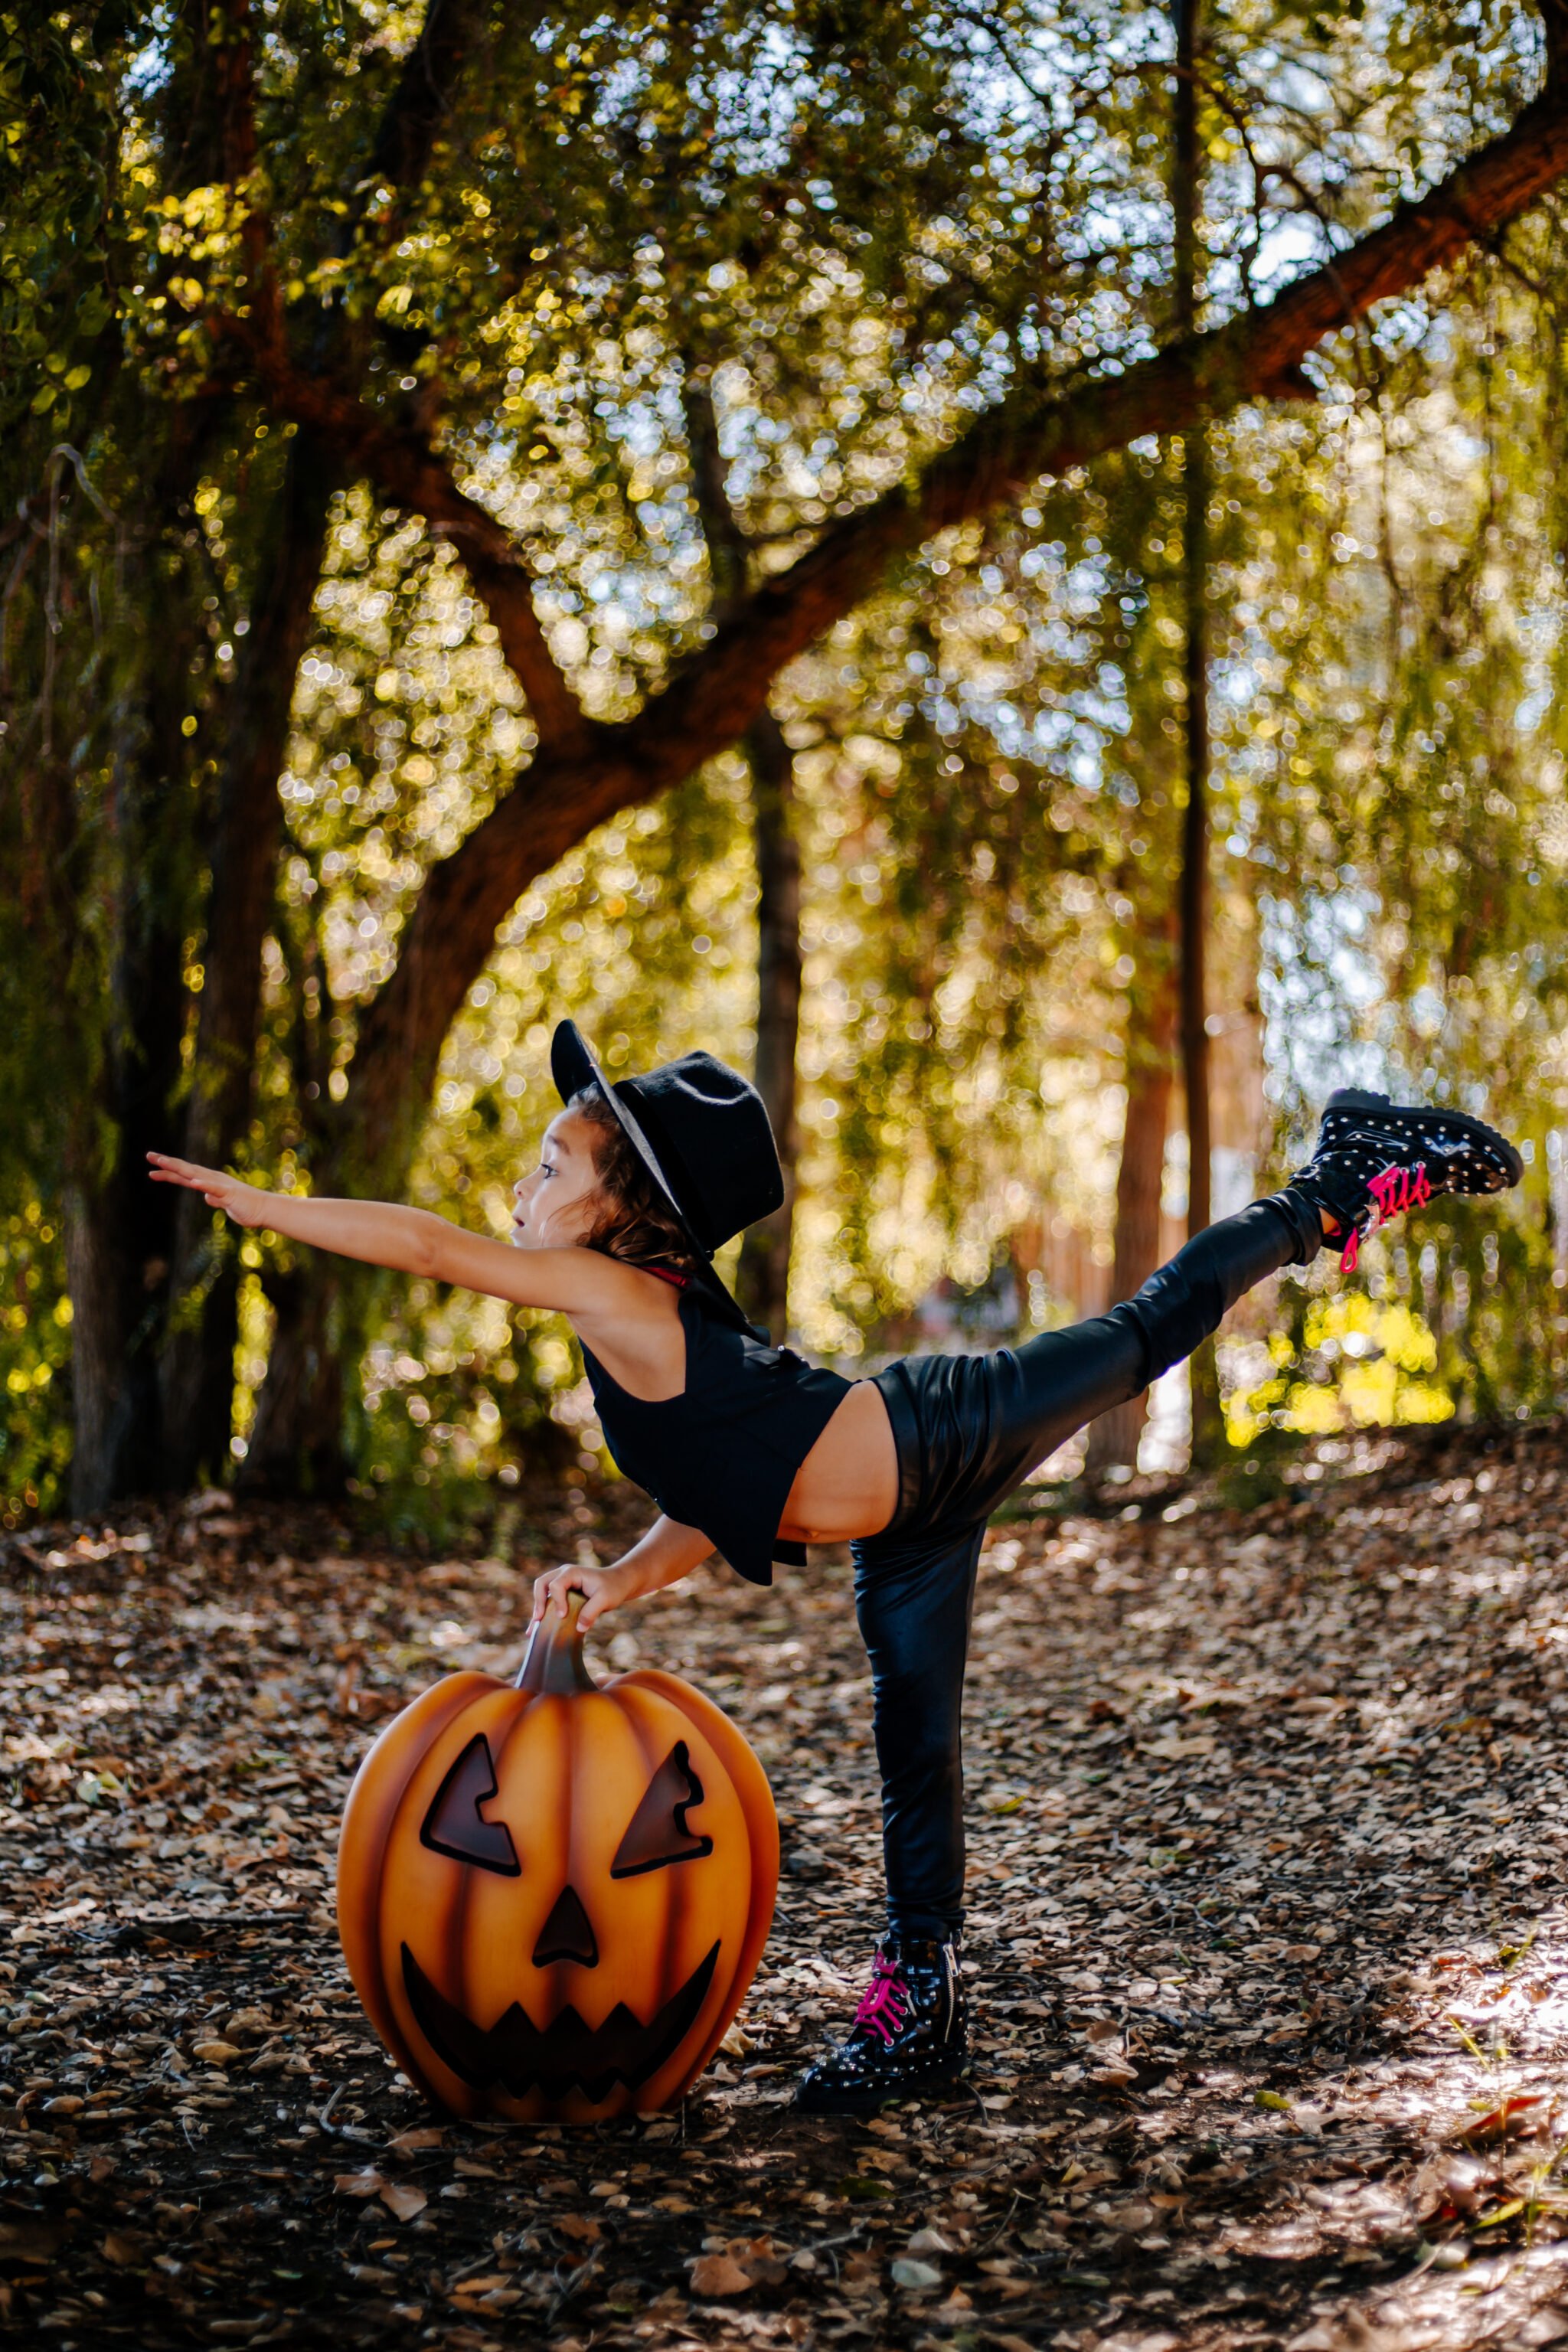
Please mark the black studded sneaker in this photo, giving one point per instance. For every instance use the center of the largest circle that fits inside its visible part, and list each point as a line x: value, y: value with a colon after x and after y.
x: 1374, y: 1160
x: 911, y: 2034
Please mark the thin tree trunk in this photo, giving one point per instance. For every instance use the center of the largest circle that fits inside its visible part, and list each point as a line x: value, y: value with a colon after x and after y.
x: 763, y: 1275
x: 199, y: 1359
x: 118, y: 1226
x: 296, y: 1445
x: 1150, y: 1078
x: 1209, y: 1422
x: 1186, y: 190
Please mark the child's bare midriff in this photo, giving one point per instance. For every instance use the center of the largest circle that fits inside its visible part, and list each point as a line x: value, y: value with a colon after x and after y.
x: 848, y: 1483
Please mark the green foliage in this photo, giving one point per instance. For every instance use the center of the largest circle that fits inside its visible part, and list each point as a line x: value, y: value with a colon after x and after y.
x: 856, y: 226
x: 34, y: 1365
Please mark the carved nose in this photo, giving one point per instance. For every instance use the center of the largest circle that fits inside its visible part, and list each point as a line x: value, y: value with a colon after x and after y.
x: 567, y: 1934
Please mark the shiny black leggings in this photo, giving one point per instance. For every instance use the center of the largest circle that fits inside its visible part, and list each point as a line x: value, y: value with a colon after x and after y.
x: 968, y: 1430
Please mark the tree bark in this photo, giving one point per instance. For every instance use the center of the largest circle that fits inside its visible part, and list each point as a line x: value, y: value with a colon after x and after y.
x: 1186, y: 197
x: 763, y: 1277
x: 119, y: 1227
x: 296, y: 1444
x: 590, y: 772
x: 1151, y: 1078
x: 198, y: 1358
x: 1209, y: 1422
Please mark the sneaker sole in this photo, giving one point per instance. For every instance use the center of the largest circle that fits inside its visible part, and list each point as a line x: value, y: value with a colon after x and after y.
x: 1411, y: 1115
x: 823, y: 2102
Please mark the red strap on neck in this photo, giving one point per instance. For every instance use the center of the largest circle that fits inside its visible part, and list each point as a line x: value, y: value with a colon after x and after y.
x: 667, y: 1274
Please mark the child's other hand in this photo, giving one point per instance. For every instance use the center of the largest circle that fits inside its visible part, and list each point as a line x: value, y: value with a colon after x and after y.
x: 605, y: 1589
x: 247, y: 1203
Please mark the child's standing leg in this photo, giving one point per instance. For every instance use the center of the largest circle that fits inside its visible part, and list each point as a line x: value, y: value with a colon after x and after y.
x: 967, y: 1429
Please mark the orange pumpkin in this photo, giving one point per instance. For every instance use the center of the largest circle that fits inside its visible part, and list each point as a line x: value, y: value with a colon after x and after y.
x: 553, y: 1893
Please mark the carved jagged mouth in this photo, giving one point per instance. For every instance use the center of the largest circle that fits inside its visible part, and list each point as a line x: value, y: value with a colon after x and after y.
x: 515, y: 2056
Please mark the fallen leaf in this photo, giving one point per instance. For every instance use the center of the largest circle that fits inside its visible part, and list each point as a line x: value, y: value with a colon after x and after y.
x: 30, y: 2241
x: 913, y: 2274
x: 717, y: 2277
x: 216, y: 2054
x: 402, y: 2199
x: 368, y: 2183
x: 1132, y: 2216
x: 1500, y: 2122
x: 1536, y: 2327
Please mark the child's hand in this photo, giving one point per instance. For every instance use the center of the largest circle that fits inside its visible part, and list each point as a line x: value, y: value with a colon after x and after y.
x: 605, y: 1589
x: 247, y: 1204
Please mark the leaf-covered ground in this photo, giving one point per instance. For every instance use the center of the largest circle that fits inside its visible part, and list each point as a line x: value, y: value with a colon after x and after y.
x: 1266, y: 1931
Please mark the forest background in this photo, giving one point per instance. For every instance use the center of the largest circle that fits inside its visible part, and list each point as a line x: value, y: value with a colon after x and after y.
x: 1003, y: 567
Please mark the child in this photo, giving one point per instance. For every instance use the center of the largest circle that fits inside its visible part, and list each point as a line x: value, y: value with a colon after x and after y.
x: 749, y: 1451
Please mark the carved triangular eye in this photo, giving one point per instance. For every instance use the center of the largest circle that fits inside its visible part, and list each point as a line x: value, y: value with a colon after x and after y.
x: 453, y: 1825
x: 656, y: 1833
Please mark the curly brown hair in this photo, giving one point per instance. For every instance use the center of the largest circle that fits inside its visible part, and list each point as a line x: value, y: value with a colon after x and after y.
x: 636, y: 1224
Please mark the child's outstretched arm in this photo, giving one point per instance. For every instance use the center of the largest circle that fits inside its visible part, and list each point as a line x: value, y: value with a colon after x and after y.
x: 413, y: 1241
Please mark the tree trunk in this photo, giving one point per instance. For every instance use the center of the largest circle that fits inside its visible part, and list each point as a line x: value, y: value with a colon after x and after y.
x: 198, y: 1359
x: 762, y: 1284
x: 1186, y: 190
x: 1208, y: 1421
x: 296, y: 1445
x: 1150, y: 1077
x: 763, y: 1277
x: 118, y: 1226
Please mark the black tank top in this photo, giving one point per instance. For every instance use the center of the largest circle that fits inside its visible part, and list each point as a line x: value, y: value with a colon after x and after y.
x: 722, y: 1455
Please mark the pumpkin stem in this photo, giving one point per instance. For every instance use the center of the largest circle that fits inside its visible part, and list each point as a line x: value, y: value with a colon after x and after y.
x: 553, y: 1660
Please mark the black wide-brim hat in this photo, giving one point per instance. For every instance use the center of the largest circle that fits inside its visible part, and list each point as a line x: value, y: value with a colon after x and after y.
x: 703, y: 1132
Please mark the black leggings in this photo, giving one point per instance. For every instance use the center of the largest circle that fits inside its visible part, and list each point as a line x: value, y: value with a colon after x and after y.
x: 968, y: 1429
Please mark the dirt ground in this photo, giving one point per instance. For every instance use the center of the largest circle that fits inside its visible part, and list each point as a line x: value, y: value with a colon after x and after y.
x: 1268, y: 1939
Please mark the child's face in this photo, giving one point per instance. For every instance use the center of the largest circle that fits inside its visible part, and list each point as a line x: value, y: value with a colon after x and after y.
x: 558, y: 1204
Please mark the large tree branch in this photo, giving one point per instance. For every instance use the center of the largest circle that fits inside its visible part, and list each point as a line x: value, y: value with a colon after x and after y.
x: 1256, y: 355
x: 404, y: 468
x: 714, y: 698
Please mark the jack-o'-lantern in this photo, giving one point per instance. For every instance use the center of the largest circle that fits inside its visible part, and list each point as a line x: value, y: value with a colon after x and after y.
x: 554, y: 1894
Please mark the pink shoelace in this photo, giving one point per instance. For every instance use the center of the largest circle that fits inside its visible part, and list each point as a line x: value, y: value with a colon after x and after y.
x: 1397, y: 1190
x: 885, y: 2003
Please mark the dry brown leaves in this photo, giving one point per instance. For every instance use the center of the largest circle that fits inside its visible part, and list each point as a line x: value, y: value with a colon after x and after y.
x: 1265, y: 1933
